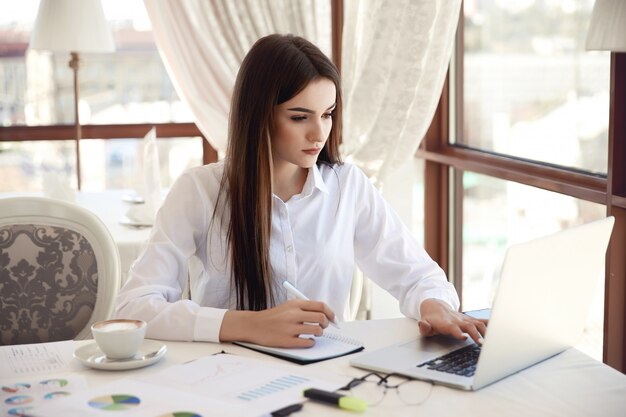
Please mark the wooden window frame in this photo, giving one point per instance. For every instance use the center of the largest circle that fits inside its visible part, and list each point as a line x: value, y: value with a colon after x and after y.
x: 163, y: 130
x: 108, y: 132
x: 446, y: 162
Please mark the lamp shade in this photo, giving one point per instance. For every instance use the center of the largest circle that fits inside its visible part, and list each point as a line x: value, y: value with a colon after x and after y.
x: 607, y: 30
x: 71, y: 26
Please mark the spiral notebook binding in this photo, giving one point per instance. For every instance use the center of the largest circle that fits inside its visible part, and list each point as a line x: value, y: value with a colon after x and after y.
x: 342, y: 338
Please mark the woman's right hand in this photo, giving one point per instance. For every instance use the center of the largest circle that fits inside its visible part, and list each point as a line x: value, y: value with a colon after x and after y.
x: 279, y: 326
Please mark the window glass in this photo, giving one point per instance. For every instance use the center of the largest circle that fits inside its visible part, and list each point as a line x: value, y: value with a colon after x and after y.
x: 127, y: 86
x: 24, y: 165
x: 121, y: 162
x: 499, y: 213
x: 403, y: 189
x: 105, y: 164
x: 530, y: 89
x: 36, y: 87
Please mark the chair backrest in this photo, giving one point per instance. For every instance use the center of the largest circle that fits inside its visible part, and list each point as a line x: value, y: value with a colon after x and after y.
x: 59, y: 270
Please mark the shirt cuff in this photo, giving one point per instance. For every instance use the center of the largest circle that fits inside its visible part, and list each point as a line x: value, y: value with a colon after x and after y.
x: 208, y: 324
x: 448, y: 297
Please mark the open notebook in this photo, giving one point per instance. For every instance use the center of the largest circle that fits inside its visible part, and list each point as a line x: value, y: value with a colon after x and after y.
x: 329, y: 345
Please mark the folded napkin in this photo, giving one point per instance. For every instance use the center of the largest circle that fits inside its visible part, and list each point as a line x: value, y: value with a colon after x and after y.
x: 56, y: 186
x: 150, y: 186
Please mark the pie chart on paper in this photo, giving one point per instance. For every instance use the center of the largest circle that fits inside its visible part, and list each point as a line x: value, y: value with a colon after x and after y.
x: 55, y: 382
x: 56, y: 394
x: 19, y: 411
x: 116, y: 402
x: 16, y: 388
x: 19, y: 399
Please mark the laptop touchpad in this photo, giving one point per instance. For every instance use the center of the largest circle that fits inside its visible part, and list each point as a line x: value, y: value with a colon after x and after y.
x: 435, y: 344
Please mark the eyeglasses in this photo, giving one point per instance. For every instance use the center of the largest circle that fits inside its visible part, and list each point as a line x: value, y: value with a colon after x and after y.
x: 372, y: 388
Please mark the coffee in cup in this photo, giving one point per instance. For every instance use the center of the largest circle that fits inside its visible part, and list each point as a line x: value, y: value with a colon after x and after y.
x: 119, y: 338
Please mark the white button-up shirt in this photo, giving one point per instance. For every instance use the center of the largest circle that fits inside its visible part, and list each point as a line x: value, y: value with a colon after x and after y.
x: 316, y: 237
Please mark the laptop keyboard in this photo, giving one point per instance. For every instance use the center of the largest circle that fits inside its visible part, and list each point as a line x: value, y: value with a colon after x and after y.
x: 459, y: 362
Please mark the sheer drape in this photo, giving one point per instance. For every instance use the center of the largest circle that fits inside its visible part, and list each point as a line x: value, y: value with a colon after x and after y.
x: 395, y: 58
x: 202, y: 44
x: 394, y: 62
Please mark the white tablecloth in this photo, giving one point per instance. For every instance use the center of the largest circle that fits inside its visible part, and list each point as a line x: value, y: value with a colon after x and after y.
x: 569, y: 384
x: 109, y: 206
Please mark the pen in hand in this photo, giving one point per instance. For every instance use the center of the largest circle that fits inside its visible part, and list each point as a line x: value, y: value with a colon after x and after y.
x: 294, y: 291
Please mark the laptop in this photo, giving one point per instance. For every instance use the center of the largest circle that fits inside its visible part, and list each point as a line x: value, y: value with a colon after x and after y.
x: 541, y: 305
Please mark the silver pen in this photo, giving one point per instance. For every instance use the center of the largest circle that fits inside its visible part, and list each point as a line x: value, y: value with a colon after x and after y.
x: 296, y: 293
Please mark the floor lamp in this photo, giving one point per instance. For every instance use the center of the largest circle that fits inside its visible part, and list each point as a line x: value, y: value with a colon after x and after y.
x: 74, y: 27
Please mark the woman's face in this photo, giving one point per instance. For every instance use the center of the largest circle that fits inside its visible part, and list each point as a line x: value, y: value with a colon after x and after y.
x: 302, y: 125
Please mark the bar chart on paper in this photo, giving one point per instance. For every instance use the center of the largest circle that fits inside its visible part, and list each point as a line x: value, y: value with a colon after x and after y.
x: 18, y: 360
x: 272, y: 387
x: 245, y: 382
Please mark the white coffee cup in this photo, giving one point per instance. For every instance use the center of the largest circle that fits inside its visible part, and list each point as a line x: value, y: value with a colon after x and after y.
x: 119, y: 338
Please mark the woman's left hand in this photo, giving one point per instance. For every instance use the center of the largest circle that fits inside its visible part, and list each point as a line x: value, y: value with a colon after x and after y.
x: 437, y: 317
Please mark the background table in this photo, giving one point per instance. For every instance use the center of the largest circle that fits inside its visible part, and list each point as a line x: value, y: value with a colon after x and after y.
x: 569, y: 384
x: 110, y: 208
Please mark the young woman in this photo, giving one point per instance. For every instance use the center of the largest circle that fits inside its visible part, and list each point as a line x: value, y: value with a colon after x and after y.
x: 281, y: 207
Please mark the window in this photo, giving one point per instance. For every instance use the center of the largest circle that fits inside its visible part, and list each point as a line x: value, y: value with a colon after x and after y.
x: 530, y: 89
x: 37, y: 87
x: 36, y: 90
x: 499, y: 213
x: 528, y: 115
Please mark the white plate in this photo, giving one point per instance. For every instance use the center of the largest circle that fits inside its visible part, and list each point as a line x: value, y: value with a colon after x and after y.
x: 91, y: 355
x: 126, y: 221
x: 133, y: 199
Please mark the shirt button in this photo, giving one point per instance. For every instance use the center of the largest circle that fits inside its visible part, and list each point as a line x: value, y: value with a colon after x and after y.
x: 289, y: 248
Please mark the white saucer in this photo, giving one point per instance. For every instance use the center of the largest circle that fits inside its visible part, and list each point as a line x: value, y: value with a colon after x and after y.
x: 133, y: 198
x: 91, y: 355
x: 127, y: 221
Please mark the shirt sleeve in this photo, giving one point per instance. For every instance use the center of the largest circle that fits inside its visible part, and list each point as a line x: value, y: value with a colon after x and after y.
x: 388, y: 253
x: 157, y: 278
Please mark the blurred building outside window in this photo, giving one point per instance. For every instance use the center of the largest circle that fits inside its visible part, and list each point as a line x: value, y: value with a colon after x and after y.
x: 130, y: 85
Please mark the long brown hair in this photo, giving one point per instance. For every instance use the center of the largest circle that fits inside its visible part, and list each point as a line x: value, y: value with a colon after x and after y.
x: 276, y: 68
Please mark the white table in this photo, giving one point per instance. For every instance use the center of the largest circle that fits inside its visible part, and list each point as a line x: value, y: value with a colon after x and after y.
x: 569, y: 384
x: 110, y: 208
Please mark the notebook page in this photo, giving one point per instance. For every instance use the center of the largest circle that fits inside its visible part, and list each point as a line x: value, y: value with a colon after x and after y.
x: 329, y: 345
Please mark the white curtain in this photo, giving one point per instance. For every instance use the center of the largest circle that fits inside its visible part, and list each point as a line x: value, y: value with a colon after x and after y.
x: 202, y: 44
x: 395, y: 58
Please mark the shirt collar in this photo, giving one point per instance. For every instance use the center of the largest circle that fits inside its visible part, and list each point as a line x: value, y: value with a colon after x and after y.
x: 314, y: 180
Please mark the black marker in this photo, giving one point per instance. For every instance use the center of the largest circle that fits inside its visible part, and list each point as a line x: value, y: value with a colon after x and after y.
x: 284, y: 412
